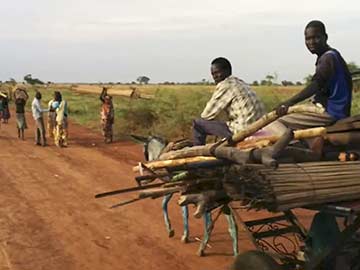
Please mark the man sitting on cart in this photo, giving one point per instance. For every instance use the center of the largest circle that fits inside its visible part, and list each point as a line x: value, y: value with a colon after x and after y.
x: 331, y: 89
x: 232, y: 107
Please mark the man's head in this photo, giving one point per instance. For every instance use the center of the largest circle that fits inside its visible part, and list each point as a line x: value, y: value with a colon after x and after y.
x: 220, y: 69
x: 316, y: 37
x: 38, y: 95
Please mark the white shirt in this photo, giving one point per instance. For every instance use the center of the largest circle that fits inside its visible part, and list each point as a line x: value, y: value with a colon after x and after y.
x: 36, y: 109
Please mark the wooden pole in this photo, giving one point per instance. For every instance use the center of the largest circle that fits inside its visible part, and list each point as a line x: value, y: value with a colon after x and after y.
x: 178, y: 158
x: 250, y: 130
x: 176, y: 162
x: 269, y: 118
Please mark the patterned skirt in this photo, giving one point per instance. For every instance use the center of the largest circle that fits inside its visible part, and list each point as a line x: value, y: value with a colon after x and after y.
x: 61, y: 134
x: 6, y: 114
x: 107, y: 130
x: 21, y: 121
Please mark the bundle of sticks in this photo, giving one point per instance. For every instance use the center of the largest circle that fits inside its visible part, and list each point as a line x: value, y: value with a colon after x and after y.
x: 293, y: 185
x: 288, y: 186
x: 218, y: 173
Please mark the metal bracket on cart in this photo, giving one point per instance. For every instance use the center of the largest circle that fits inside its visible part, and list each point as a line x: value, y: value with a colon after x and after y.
x: 280, y: 236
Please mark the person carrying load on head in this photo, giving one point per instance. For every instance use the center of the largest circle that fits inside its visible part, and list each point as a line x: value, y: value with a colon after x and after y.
x: 20, y: 97
x: 107, y: 115
x: 2, y: 96
x: 232, y: 107
x: 6, y: 112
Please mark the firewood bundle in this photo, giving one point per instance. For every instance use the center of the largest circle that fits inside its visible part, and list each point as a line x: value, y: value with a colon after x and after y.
x: 251, y: 172
x: 293, y: 185
x: 258, y: 187
x: 20, y: 92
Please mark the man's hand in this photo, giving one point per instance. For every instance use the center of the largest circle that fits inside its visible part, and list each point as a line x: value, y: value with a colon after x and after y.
x: 282, y: 109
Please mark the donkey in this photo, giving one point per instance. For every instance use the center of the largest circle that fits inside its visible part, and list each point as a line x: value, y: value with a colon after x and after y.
x: 153, y: 147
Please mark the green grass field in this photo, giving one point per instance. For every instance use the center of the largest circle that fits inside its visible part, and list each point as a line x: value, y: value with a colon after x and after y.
x: 168, y: 114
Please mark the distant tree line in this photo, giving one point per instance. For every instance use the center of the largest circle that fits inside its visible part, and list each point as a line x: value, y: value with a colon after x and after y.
x: 269, y: 80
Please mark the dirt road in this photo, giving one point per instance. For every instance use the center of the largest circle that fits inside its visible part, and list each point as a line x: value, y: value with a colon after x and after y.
x: 49, y: 218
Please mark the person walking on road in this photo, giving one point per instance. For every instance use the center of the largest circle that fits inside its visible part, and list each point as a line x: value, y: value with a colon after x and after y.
x: 61, y: 120
x: 2, y: 97
x: 6, y: 111
x: 107, y: 115
x: 20, y: 97
x: 51, y: 120
x: 37, y: 112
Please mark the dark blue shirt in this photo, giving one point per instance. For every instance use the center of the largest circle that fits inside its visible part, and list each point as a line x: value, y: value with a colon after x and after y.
x: 335, y: 83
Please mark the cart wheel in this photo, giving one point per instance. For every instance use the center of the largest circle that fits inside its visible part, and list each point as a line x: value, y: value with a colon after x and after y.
x: 255, y: 260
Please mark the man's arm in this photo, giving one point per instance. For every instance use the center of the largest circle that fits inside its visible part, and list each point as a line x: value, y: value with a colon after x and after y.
x: 324, y: 71
x: 38, y: 107
x: 218, y: 102
x: 307, y: 92
x: 103, y: 94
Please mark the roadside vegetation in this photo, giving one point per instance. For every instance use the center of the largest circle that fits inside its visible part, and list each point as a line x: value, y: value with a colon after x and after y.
x: 169, y: 113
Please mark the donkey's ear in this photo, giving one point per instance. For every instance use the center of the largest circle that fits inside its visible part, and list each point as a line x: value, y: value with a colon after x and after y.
x: 139, y: 139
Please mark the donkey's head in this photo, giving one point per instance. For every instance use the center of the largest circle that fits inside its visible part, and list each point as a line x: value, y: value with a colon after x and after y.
x: 153, y: 146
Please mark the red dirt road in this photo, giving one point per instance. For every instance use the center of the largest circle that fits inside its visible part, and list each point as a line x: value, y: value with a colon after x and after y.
x: 50, y: 220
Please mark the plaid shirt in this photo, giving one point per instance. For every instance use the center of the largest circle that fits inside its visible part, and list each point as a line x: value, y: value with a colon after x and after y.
x: 234, y: 102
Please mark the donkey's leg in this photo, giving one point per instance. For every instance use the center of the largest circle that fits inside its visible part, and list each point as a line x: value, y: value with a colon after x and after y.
x: 185, y: 215
x: 165, y: 202
x: 233, y: 230
x: 207, y: 232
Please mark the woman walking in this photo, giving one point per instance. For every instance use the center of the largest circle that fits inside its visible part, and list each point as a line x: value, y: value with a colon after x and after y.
x: 20, y: 96
x: 2, y: 96
x: 107, y: 116
x: 61, y: 129
x: 6, y: 111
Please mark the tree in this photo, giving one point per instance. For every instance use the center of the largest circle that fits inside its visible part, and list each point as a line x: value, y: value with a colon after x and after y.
x: 287, y: 83
x: 352, y: 66
x: 269, y: 78
x: 263, y: 82
x: 204, y: 81
x: 28, y: 79
x: 308, y: 79
x: 255, y: 83
x: 143, y: 80
x: 298, y: 83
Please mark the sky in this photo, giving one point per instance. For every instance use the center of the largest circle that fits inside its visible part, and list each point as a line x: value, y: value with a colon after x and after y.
x: 167, y: 40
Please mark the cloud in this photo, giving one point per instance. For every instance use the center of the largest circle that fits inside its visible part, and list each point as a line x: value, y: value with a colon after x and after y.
x: 118, y: 40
